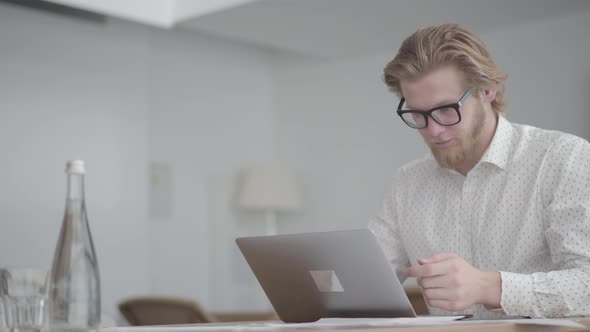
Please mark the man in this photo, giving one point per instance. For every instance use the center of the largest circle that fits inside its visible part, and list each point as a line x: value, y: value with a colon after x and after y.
x: 496, y: 220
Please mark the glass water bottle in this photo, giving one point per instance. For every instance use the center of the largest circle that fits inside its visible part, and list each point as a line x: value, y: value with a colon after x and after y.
x: 74, y: 292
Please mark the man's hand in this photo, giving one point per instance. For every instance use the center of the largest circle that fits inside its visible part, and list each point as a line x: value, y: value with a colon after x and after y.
x: 450, y: 283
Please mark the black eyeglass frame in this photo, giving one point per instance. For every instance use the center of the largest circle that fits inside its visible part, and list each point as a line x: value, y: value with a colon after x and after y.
x: 428, y: 114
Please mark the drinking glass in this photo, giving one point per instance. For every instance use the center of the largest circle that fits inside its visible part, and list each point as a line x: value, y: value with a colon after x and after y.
x: 23, y: 298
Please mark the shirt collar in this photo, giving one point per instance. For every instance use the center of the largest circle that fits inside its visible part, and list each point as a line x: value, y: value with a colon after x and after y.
x: 497, y: 152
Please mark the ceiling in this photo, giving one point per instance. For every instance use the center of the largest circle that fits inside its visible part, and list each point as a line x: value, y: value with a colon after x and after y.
x: 161, y: 13
x: 347, y: 28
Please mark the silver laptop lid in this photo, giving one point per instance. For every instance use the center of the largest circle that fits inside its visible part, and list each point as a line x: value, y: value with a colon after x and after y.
x: 329, y: 274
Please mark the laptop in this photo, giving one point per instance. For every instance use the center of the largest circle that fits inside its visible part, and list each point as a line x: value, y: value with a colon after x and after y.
x: 340, y: 274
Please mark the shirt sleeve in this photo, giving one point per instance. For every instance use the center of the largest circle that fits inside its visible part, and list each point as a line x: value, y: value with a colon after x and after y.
x: 386, y: 229
x: 565, y: 191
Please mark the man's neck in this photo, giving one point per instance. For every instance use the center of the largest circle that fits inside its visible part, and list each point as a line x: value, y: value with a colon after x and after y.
x: 483, y: 142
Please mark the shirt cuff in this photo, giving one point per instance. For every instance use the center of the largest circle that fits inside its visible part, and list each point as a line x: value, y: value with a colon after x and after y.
x: 517, y: 294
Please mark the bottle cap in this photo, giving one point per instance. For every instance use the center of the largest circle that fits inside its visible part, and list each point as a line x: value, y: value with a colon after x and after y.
x: 75, y: 167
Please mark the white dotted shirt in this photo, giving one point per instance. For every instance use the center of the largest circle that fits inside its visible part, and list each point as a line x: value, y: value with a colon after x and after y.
x: 523, y: 210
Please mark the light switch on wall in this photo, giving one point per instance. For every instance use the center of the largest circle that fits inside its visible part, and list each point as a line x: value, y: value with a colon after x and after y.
x: 160, y: 191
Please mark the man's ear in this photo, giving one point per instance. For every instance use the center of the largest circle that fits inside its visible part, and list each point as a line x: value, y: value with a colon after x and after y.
x: 488, y: 94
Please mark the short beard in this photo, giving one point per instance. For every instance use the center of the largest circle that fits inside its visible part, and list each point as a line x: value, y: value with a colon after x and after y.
x: 452, y: 159
x: 466, y: 146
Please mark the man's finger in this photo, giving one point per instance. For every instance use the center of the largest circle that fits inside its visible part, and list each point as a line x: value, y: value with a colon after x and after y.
x: 444, y: 280
x: 428, y: 270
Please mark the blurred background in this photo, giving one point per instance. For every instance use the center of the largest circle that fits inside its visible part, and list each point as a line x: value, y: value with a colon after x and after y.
x: 171, y: 102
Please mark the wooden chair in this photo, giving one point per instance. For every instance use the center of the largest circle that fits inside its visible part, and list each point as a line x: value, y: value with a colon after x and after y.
x: 163, y: 311
x: 415, y: 295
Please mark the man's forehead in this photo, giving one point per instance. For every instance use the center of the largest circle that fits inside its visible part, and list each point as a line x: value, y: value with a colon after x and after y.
x: 436, y: 88
x: 429, y: 99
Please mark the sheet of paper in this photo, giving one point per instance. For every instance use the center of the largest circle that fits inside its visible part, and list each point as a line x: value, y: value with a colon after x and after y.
x: 366, y: 322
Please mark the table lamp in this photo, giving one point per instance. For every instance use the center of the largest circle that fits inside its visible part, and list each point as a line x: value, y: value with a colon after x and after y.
x: 269, y: 188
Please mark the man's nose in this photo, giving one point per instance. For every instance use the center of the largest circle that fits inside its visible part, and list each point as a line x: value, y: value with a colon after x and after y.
x: 434, y: 129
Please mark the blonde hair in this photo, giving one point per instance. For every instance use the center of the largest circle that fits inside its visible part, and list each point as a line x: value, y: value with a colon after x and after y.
x: 448, y: 44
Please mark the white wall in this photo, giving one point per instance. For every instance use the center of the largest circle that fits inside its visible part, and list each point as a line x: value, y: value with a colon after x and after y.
x: 69, y: 89
x: 337, y: 126
x: 548, y: 72
x: 122, y: 96
x: 211, y: 114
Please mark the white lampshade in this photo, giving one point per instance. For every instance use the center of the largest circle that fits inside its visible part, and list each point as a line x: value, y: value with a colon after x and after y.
x: 270, y: 187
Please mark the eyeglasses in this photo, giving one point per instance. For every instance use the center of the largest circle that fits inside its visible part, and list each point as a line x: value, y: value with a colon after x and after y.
x: 445, y: 115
